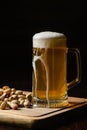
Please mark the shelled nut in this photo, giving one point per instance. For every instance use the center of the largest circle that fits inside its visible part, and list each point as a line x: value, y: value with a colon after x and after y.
x: 10, y: 98
x: 12, y: 105
x: 3, y: 105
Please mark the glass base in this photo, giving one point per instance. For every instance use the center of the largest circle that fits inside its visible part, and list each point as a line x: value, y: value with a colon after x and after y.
x: 50, y: 103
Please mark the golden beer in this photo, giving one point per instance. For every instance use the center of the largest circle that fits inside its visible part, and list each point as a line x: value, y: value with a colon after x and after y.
x: 49, y: 81
x: 50, y: 73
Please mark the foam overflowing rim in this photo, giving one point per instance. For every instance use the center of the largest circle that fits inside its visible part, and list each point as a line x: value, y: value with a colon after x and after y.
x: 49, y: 39
x: 48, y: 35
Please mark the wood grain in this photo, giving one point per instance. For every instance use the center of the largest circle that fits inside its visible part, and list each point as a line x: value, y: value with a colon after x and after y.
x: 38, y: 117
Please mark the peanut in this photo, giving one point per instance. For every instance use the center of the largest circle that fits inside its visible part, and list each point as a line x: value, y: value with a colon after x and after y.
x: 10, y: 98
x: 27, y: 103
x: 19, y: 92
x: 3, y: 105
x: 13, y: 105
x: 1, y: 91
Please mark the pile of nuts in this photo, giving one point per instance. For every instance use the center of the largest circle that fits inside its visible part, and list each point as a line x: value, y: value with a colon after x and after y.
x: 10, y: 98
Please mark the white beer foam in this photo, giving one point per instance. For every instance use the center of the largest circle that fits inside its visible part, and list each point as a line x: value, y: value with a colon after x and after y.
x: 48, y: 39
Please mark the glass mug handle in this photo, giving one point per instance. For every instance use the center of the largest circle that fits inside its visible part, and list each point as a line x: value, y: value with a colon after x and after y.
x: 78, y: 66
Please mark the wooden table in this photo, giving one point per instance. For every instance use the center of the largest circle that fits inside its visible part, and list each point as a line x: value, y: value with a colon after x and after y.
x: 70, y: 118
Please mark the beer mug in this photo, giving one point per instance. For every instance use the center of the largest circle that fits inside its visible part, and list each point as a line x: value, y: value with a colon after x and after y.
x: 49, y: 63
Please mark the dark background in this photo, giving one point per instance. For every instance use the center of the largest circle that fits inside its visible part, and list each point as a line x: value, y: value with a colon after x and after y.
x: 20, y: 21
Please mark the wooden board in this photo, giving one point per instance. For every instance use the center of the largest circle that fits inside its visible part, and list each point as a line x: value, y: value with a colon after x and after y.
x: 32, y: 117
